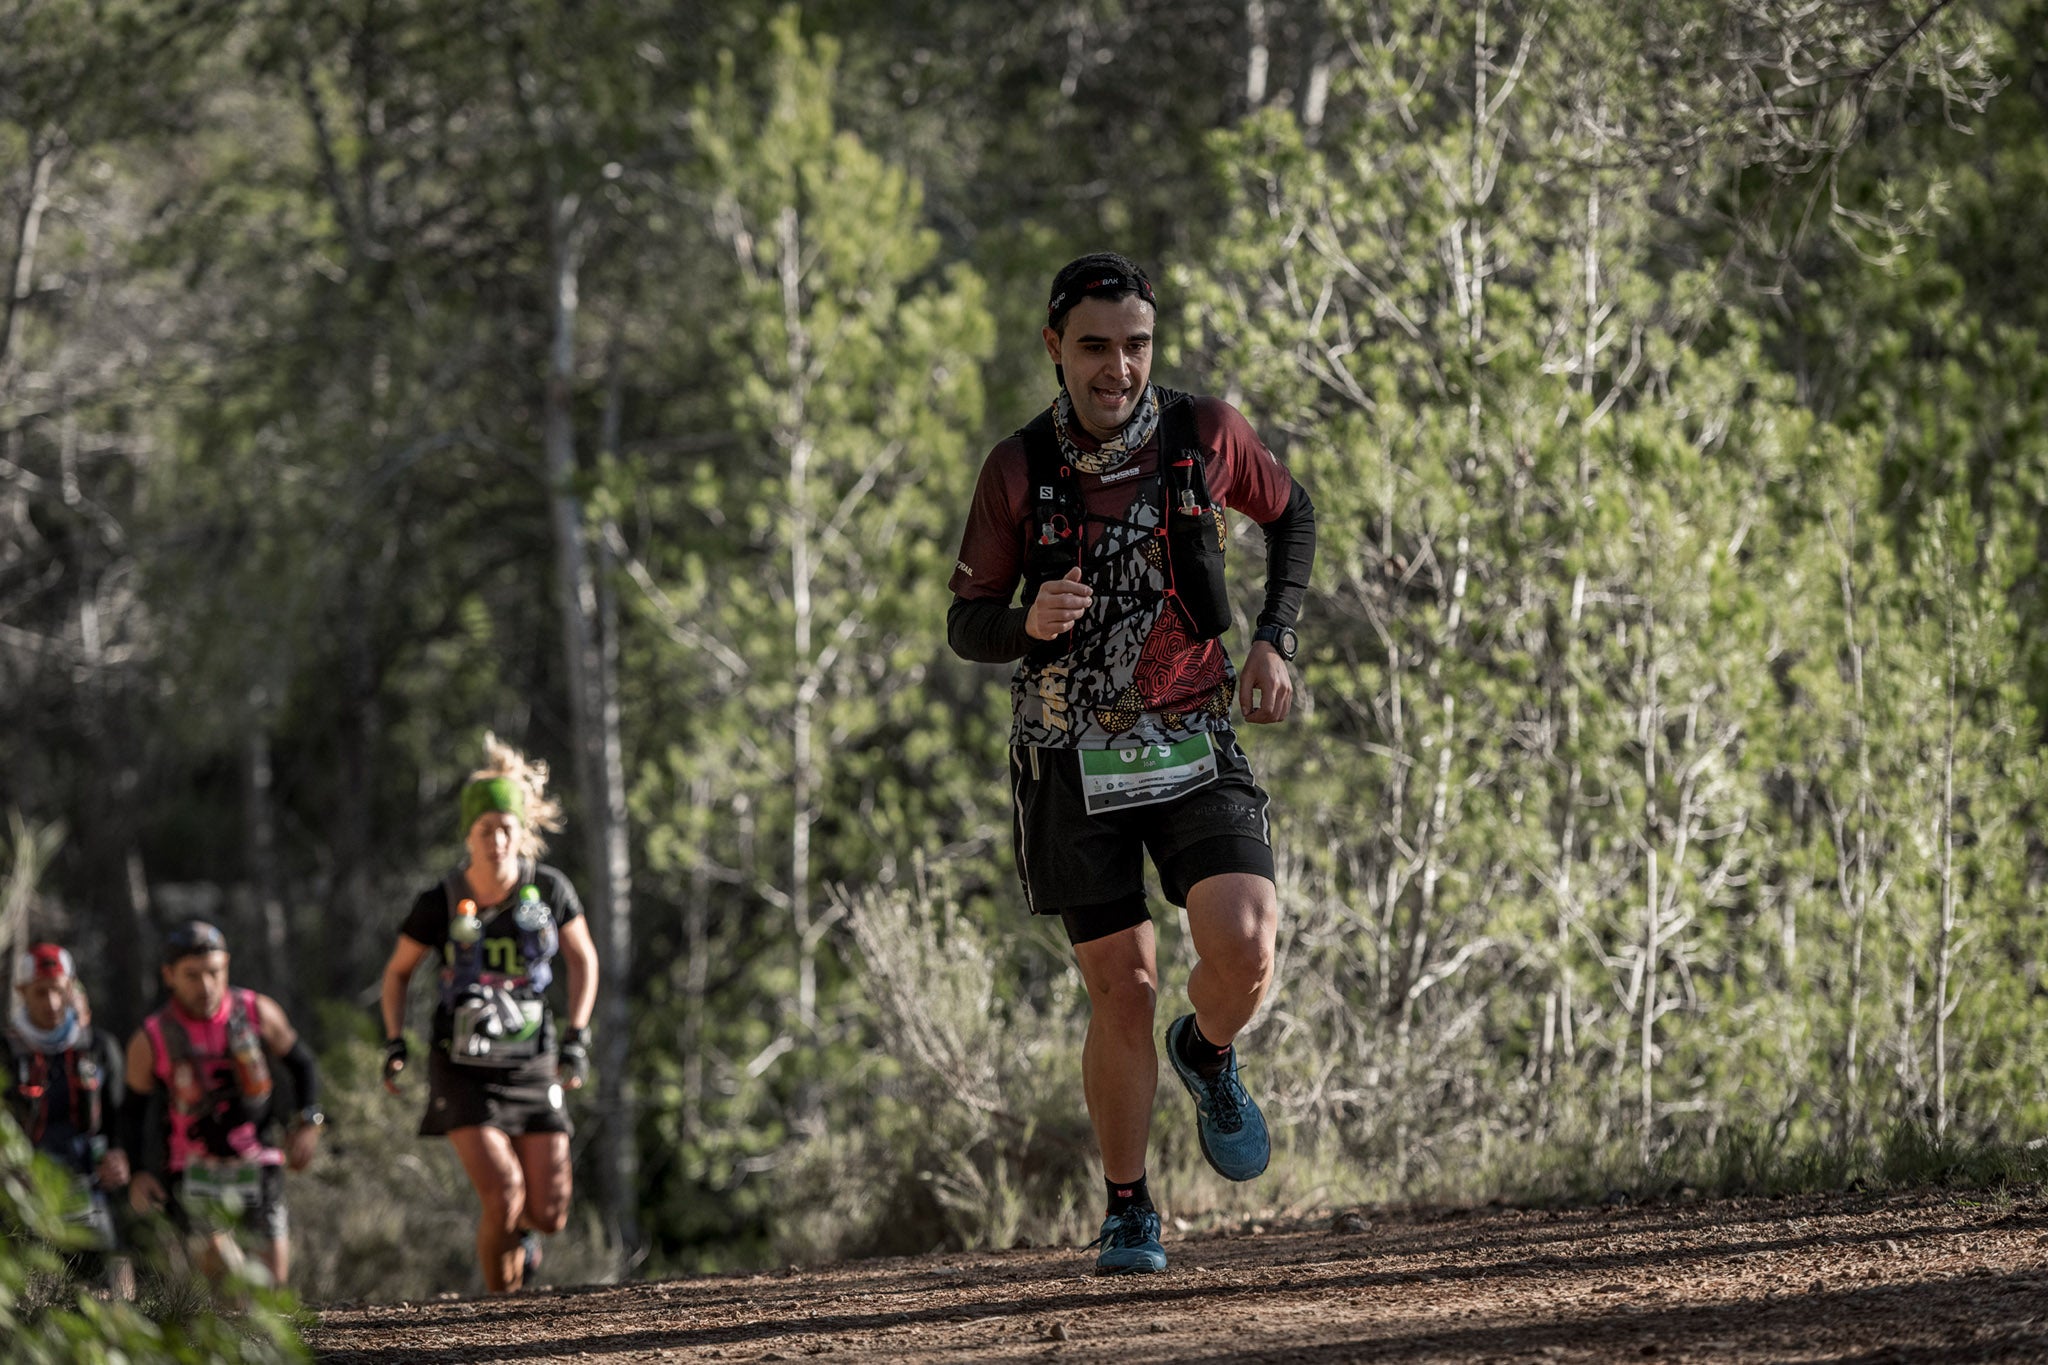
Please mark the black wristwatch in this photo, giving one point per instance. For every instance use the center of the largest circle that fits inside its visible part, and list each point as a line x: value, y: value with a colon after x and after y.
x: 311, y: 1117
x: 1282, y: 638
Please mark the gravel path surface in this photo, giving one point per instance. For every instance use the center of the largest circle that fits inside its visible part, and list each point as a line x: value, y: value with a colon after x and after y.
x: 1936, y: 1277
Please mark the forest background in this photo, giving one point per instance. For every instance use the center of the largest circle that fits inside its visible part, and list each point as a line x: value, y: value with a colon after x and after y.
x: 1669, y: 375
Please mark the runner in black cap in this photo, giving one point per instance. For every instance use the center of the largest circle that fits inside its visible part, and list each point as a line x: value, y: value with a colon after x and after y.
x: 203, y: 1106
x: 1106, y: 509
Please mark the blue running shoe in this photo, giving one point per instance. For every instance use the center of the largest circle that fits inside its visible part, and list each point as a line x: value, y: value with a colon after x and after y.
x: 1233, y: 1130
x: 1130, y: 1244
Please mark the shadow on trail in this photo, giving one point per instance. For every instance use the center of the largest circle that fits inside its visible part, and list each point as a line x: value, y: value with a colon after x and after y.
x: 1583, y: 1259
x: 1938, y: 1320
x: 1445, y: 1238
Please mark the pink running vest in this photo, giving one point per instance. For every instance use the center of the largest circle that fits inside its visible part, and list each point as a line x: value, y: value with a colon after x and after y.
x: 211, y: 1065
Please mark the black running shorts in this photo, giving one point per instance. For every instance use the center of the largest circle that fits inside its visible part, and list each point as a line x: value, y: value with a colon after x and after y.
x: 515, y: 1100
x: 1089, y: 869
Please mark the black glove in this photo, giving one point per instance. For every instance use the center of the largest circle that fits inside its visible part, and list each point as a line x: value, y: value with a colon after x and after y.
x: 396, y: 1055
x: 575, y: 1055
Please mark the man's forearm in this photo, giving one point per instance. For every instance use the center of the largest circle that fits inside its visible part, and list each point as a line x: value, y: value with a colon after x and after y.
x: 304, y: 1069
x: 986, y: 631
x: 140, y: 1130
x: 1290, y: 557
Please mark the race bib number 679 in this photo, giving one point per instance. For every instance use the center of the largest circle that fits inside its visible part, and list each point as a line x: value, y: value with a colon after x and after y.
x: 1144, y: 775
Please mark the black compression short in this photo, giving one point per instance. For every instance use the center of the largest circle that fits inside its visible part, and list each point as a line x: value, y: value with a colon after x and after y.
x: 1089, y: 869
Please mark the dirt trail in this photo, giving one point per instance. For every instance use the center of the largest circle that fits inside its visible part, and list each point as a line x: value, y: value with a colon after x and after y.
x: 1909, y: 1278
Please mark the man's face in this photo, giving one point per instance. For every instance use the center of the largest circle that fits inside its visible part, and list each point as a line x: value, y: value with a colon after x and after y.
x: 494, y: 840
x: 45, y: 998
x: 199, y: 983
x: 1106, y: 351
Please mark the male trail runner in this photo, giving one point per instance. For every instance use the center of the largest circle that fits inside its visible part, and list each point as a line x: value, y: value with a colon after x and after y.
x: 200, y: 1110
x: 63, y: 1084
x: 1107, y: 509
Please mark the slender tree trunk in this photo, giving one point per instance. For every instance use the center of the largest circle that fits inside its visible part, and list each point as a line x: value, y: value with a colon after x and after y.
x: 696, y: 966
x: 1258, y: 55
x: 1652, y: 914
x: 1856, y: 876
x: 802, y: 524
x: 1557, y: 1002
x: 614, y: 1012
x: 1944, y: 947
x: 598, y: 779
x: 259, y: 837
x: 1316, y: 57
x: 21, y: 278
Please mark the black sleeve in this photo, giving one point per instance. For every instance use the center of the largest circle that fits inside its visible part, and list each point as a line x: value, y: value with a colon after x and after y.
x: 987, y: 631
x: 428, y: 920
x: 114, y: 1082
x: 142, y: 1130
x: 299, y: 1064
x: 1290, y: 555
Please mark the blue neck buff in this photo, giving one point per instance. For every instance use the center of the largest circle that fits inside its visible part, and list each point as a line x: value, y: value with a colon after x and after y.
x: 59, y: 1039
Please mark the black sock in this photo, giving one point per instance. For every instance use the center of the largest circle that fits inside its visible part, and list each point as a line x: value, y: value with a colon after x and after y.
x: 1203, y: 1057
x: 1130, y: 1194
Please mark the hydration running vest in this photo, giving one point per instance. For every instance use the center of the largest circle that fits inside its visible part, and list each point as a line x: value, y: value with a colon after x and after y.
x: 82, y: 1080
x: 216, y: 1077
x: 533, y: 924
x: 496, y: 1017
x: 1194, y: 532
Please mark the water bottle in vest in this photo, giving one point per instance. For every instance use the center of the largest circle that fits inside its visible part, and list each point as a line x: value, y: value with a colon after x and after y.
x: 252, y: 1070
x: 188, y: 1092
x: 538, y: 940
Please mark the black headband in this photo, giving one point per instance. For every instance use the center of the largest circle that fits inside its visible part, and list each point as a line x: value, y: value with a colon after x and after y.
x: 1112, y: 283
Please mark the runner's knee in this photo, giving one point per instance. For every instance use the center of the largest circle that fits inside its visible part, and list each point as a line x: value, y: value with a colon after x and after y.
x: 549, y: 1215
x: 1121, y: 972
x: 1127, y: 999
x: 1246, y: 963
x: 504, y: 1198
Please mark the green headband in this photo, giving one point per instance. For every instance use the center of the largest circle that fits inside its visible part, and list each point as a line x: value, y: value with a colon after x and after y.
x: 488, y: 794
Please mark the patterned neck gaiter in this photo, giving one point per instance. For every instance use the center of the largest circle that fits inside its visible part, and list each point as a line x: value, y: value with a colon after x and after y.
x: 1118, y: 448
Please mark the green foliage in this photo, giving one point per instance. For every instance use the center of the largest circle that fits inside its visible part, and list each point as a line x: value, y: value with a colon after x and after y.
x: 1587, y: 513
x: 45, y: 1329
